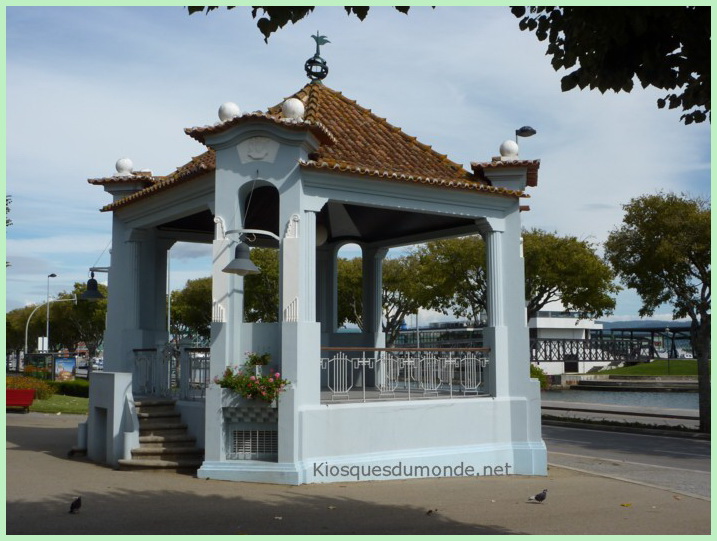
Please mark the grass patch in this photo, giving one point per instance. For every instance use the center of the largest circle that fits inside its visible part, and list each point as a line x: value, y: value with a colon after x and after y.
x: 658, y: 367
x: 59, y: 403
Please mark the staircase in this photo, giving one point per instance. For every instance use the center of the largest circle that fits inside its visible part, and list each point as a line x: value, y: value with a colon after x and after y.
x: 164, y: 444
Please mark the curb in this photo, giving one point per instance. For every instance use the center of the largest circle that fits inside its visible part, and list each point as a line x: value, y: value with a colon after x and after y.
x: 631, y: 429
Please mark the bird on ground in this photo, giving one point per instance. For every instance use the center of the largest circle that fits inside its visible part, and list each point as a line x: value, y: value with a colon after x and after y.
x: 75, y: 505
x: 540, y: 497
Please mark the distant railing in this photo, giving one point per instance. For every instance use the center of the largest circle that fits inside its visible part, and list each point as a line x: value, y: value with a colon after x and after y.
x: 367, y: 374
x: 592, y: 349
x: 173, y: 372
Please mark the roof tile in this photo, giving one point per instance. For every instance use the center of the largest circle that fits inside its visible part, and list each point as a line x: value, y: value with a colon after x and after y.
x: 353, y: 140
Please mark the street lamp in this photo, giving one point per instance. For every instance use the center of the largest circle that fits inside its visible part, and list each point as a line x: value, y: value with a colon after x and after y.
x: 47, y: 330
x: 27, y: 324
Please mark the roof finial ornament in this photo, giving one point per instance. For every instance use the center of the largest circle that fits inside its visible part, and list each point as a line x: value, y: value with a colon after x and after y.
x: 315, y: 67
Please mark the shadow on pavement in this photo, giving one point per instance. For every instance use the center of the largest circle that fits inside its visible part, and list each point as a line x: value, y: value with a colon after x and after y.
x: 160, y: 512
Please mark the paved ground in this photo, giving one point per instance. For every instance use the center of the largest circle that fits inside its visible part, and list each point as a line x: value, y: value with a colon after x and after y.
x: 41, y: 482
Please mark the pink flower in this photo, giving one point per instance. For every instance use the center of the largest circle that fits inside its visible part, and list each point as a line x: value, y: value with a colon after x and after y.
x: 253, y: 378
x: 271, y: 380
x: 277, y: 375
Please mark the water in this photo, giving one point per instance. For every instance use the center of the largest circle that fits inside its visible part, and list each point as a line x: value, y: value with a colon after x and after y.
x: 678, y: 400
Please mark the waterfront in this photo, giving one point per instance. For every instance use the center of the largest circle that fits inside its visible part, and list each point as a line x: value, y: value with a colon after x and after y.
x: 678, y: 400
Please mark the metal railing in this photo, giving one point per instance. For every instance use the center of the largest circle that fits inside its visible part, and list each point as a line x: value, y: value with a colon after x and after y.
x: 591, y: 349
x: 368, y: 374
x: 173, y: 372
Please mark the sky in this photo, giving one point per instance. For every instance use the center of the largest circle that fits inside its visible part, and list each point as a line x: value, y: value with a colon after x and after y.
x: 86, y: 86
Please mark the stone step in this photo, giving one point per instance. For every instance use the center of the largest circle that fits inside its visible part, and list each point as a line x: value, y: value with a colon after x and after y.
x: 154, y: 402
x: 146, y: 415
x: 172, y: 454
x: 162, y: 429
x: 163, y: 439
x: 183, y: 439
x: 186, y: 465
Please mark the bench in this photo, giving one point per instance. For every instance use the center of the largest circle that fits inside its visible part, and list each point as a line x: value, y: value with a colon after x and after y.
x: 19, y: 398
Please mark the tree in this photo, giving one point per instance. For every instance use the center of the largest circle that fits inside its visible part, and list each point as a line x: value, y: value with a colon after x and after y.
x: 191, y: 309
x: 399, y: 294
x: 350, y: 292
x: 276, y: 17
x: 83, y: 321
x: 261, y: 291
x: 453, y: 275
x: 15, y: 323
x: 568, y: 270
x: 662, y: 250
x: 557, y: 268
x: 665, y: 47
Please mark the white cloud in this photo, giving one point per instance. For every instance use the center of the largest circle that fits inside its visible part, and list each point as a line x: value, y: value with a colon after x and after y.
x: 86, y: 86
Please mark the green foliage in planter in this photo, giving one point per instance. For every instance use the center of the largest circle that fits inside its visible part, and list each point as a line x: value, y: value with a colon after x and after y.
x: 245, y: 382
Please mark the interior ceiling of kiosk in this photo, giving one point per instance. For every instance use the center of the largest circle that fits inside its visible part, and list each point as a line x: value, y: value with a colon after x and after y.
x: 344, y: 222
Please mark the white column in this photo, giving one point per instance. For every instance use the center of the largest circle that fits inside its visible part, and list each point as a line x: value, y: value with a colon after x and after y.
x: 494, y: 264
x: 372, y: 269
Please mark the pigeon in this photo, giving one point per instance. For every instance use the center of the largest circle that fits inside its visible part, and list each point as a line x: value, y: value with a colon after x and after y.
x: 75, y: 505
x: 540, y: 497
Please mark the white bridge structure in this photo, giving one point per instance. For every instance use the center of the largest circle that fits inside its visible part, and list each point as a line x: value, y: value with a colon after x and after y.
x: 305, y: 177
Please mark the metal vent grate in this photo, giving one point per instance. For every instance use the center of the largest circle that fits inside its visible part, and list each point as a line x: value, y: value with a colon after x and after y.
x: 253, y: 445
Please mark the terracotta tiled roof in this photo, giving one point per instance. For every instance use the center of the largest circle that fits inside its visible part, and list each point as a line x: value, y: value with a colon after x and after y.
x: 532, y: 166
x: 367, y: 142
x: 198, y: 165
x: 133, y: 178
x: 353, y: 140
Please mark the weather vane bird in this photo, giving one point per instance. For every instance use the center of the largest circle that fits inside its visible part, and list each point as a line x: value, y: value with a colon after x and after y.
x: 315, y: 67
x: 320, y: 40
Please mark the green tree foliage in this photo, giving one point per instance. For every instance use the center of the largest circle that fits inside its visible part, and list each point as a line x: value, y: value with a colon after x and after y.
x: 666, y: 47
x: 191, y: 309
x: 70, y: 323
x: 662, y: 250
x: 15, y: 323
x: 566, y: 269
x: 350, y: 292
x: 556, y: 269
x: 399, y: 295
x: 453, y: 275
x: 261, y: 291
x: 275, y: 17
x: 84, y: 321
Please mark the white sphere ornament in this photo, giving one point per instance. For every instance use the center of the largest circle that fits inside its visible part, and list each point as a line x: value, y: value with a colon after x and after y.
x: 509, y: 150
x: 124, y: 167
x: 293, y: 108
x: 228, y: 110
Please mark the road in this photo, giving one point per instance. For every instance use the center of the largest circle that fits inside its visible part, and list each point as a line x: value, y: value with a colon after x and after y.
x: 681, y: 465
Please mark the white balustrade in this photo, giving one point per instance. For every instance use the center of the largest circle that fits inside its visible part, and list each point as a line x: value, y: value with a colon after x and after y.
x: 365, y: 374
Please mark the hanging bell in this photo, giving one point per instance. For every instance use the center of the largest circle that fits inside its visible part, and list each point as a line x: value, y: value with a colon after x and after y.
x: 241, y: 264
x: 92, y: 293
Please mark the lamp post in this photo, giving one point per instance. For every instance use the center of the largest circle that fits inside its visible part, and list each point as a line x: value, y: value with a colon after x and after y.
x: 47, y: 330
x: 27, y: 324
x: 525, y: 131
